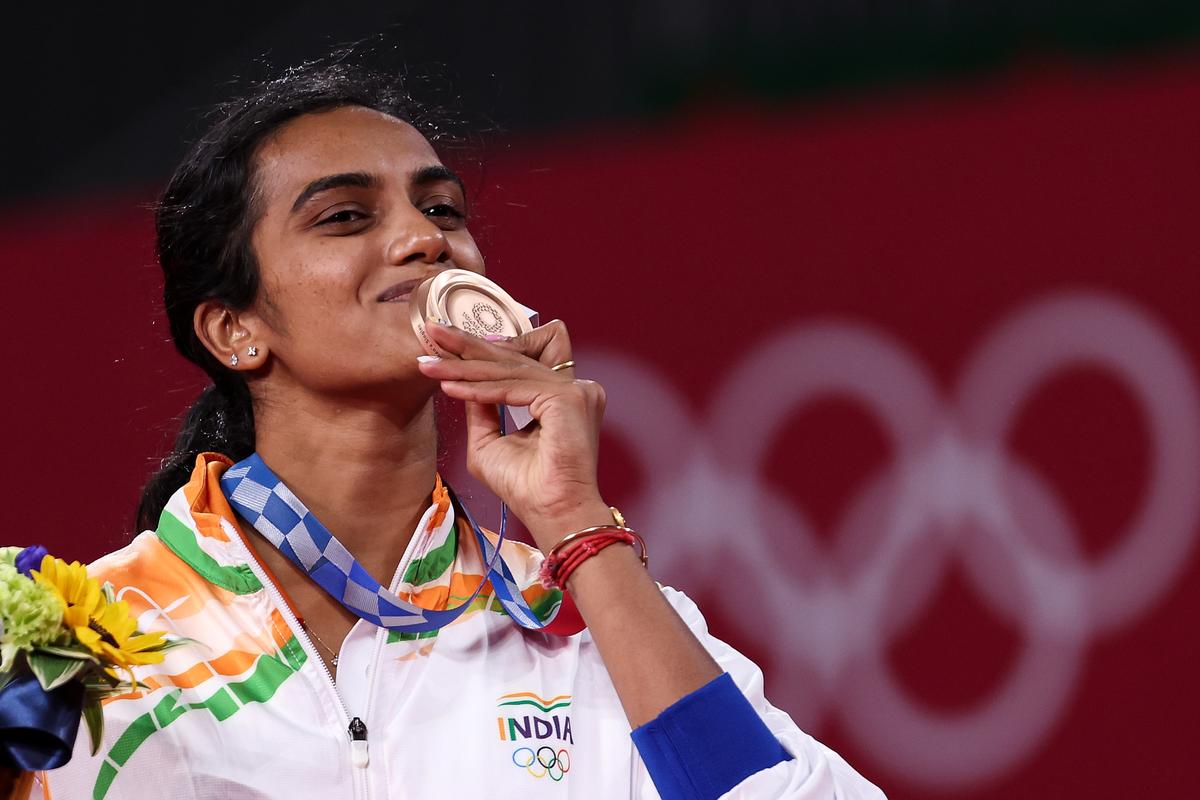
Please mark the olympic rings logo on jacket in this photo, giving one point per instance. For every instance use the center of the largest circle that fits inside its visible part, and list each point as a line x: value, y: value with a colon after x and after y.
x: 544, y: 761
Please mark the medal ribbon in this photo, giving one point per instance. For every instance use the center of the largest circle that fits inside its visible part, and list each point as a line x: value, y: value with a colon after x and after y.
x: 265, y: 502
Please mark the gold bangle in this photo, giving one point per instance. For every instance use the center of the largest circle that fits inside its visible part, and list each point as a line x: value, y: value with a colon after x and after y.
x: 588, y: 533
x: 620, y: 525
x: 617, y: 516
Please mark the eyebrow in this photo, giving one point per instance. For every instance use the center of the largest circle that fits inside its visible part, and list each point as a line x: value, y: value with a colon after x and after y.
x: 437, y: 173
x: 361, y: 180
x: 434, y: 173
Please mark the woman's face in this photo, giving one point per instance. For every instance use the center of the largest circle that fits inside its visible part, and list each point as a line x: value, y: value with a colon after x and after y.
x: 356, y: 210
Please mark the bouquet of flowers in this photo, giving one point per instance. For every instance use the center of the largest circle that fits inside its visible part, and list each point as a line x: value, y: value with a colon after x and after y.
x: 66, y: 643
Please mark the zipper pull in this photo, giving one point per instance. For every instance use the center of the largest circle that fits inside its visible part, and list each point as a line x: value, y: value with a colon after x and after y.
x: 358, y: 743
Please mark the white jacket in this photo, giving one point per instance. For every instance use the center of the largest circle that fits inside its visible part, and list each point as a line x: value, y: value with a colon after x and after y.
x: 481, y: 709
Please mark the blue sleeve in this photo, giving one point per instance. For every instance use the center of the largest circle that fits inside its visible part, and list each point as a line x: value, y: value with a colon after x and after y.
x: 706, y: 743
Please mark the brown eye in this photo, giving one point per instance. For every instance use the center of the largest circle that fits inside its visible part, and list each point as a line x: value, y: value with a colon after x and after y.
x: 443, y: 210
x: 343, y: 216
x: 445, y: 216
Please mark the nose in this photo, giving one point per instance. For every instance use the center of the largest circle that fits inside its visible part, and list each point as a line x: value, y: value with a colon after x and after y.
x: 418, y: 241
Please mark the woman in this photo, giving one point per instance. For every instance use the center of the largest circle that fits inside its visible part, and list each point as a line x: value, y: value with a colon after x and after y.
x: 290, y: 239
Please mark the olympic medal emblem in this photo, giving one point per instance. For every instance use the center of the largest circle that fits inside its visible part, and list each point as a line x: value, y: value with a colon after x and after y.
x: 469, y: 302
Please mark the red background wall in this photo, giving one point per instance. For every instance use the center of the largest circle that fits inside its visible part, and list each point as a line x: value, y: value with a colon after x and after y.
x: 680, y: 256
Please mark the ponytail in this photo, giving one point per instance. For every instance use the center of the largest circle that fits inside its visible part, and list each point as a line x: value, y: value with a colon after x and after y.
x: 221, y: 421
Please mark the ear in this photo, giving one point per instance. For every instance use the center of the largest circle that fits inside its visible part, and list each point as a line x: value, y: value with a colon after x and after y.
x: 230, y: 335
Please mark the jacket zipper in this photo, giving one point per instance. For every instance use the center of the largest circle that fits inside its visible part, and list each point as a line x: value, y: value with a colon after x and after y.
x: 356, y: 729
x: 377, y: 652
x: 358, y: 743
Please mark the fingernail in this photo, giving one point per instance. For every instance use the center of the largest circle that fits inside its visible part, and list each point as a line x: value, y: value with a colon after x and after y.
x: 496, y: 337
x: 429, y: 359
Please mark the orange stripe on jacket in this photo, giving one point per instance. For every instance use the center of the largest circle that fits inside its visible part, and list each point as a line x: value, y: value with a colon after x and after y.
x: 205, y: 499
x: 161, y: 577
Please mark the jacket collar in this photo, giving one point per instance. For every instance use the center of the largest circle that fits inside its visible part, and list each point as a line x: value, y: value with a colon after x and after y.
x: 199, y: 526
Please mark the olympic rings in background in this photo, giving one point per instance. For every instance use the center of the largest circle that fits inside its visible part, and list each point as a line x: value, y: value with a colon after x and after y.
x: 544, y: 761
x: 830, y: 614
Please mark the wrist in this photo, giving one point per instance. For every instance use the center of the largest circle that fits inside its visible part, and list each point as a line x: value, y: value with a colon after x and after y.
x: 611, y: 560
x: 550, y: 531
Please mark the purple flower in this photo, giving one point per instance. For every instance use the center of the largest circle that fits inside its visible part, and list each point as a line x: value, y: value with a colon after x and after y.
x: 30, y: 559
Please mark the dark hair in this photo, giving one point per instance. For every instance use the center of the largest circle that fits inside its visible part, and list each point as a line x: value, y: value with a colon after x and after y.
x: 204, y: 221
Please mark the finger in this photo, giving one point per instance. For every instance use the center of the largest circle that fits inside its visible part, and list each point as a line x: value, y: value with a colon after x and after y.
x: 585, y: 397
x: 457, y: 369
x: 549, y: 344
x: 483, y: 423
x: 464, y: 345
x: 533, y: 394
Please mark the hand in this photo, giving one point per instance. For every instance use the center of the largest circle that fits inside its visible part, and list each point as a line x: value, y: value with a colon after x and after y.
x: 547, y: 472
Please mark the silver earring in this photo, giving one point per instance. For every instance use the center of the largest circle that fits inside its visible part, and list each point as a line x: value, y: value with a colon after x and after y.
x: 233, y: 360
x: 251, y: 351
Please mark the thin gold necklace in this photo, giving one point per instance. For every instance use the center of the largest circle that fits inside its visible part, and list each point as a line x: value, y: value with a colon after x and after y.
x: 333, y: 656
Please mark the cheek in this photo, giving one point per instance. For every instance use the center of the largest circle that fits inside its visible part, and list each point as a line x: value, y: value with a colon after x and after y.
x: 313, y: 288
x: 466, y: 252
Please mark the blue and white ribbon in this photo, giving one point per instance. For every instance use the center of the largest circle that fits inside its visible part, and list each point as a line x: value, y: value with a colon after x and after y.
x: 265, y: 502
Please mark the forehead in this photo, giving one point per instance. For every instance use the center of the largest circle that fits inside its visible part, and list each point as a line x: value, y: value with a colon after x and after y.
x: 348, y: 139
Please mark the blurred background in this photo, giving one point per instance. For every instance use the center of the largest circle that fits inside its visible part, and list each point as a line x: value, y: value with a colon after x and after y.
x: 895, y: 303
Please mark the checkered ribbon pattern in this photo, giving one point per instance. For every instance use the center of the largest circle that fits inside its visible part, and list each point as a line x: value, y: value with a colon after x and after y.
x: 265, y: 502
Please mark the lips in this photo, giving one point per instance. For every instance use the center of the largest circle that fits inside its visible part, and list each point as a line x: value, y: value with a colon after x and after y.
x: 399, y: 291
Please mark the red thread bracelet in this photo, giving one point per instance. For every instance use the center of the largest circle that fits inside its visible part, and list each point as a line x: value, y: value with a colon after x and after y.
x: 581, y: 546
x: 585, y: 550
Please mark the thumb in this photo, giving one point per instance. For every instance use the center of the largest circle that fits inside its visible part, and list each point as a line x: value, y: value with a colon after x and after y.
x: 483, y: 424
x: 549, y: 344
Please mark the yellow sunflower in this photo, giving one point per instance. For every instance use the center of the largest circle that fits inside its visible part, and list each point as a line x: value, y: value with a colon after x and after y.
x: 107, y: 629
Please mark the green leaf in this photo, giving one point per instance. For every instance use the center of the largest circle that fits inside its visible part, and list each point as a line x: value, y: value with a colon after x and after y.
x: 171, y: 644
x: 99, y: 680
x: 6, y: 678
x: 103, y: 693
x: 54, y: 671
x: 79, y: 652
x: 109, y: 595
x: 93, y: 715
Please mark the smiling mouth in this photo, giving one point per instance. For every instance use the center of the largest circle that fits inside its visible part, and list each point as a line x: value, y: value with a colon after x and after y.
x: 399, y: 292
